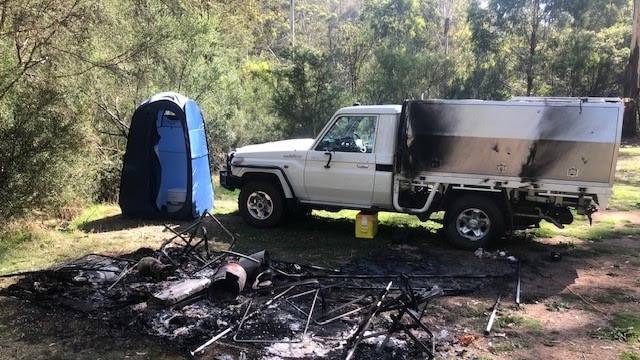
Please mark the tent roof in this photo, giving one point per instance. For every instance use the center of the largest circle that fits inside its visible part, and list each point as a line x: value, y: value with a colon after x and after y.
x: 175, y: 98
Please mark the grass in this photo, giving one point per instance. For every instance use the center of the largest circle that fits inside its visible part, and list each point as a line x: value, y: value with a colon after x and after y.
x: 503, y: 348
x: 629, y: 356
x: 512, y: 321
x: 625, y: 191
x: 100, y: 229
x: 23, y: 245
x: 558, y: 306
x: 11, y: 239
x: 625, y: 197
x: 92, y: 213
x: 33, y: 244
x: 607, y: 228
x: 615, y: 295
x: 625, y: 326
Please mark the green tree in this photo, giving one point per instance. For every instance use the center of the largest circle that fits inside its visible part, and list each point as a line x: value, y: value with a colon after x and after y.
x: 351, y: 51
x: 588, y: 63
x: 412, y: 57
x: 524, y: 26
x: 546, y: 47
x: 73, y: 71
x: 42, y: 126
x: 305, y: 95
x: 631, y: 80
x: 176, y: 46
x: 587, y: 52
x: 487, y: 75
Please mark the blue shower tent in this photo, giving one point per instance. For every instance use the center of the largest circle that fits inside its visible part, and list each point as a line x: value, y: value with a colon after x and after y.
x: 165, y: 170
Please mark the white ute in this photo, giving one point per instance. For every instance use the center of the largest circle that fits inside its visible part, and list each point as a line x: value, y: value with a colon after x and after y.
x: 491, y: 166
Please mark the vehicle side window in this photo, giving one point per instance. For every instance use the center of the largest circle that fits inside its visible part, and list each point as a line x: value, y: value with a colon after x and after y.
x: 350, y: 134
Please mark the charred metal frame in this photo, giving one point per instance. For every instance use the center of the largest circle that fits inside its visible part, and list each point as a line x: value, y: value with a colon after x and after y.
x: 188, y: 234
x: 409, y: 303
x: 304, y: 333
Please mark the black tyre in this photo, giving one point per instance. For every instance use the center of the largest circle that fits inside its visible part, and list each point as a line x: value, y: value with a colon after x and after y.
x: 473, y: 222
x: 261, y: 204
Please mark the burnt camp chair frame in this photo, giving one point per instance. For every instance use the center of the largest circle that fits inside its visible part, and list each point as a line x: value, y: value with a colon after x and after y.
x: 194, y: 235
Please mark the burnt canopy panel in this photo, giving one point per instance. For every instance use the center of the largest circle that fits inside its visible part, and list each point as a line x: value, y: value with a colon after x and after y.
x: 515, y: 139
x: 419, y: 148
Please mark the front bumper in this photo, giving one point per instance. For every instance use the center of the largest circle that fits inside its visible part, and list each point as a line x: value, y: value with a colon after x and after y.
x: 229, y: 181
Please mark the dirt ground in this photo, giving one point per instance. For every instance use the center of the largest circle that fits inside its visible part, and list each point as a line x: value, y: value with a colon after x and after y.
x: 571, y: 292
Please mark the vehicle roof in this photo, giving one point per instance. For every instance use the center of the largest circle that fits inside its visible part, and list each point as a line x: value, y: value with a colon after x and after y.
x: 372, y: 109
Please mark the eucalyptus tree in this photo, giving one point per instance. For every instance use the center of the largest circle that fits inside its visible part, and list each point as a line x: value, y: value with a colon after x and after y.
x: 488, y: 75
x: 631, y: 80
x: 305, y: 94
x: 351, y: 47
x: 548, y: 47
x: 408, y: 55
x: 197, y: 48
x: 524, y: 27
x: 589, y: 49
x: 588, y: 62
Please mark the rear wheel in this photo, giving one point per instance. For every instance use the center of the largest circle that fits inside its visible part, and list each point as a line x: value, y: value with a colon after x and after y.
x: 261, y: 204
x: 473, y: 222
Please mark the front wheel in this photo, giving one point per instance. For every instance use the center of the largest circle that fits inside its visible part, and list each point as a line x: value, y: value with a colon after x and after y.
x: 473, y: 222
x: 261, y: 204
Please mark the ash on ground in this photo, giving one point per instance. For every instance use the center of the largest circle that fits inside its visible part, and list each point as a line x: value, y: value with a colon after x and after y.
x: 370, y: 308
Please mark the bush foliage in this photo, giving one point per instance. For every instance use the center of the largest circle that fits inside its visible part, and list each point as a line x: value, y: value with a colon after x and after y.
x: 73, y: 71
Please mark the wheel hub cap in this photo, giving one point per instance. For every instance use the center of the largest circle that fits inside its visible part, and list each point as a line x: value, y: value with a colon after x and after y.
x: 473, y: 224
x: 260, y: 205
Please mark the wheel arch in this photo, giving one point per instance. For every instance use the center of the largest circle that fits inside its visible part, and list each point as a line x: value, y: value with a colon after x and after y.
x: 500, y: 199
x: 274, y: 176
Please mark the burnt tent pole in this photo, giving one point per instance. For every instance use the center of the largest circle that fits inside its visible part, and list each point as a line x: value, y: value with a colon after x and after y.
x: 359, y: 334
x: 492, y: 317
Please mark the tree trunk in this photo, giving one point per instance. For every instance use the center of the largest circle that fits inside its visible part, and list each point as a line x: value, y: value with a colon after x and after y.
x: 630, y: 91
x: 533, y: 45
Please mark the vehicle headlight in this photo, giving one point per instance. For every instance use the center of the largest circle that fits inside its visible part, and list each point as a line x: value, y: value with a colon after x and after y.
x: 237, y: 160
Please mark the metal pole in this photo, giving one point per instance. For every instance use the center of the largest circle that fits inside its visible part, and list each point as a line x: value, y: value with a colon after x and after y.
x: 213, y: 339
x: 365, y: 324
x: 493, y: 316
x: 518, y: 285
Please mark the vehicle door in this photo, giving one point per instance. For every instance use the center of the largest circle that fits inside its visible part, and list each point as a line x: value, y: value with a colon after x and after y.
x: 340, y: 169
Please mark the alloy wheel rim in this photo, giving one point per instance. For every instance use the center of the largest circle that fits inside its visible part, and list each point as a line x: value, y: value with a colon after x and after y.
x: 260, y: 205
x: 473, y: 224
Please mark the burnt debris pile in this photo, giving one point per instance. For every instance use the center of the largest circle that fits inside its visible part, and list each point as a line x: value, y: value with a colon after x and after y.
x: 225, y: 301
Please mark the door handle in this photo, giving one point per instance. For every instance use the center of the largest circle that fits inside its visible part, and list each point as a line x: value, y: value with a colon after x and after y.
x: 328, y: 165
x: 363, y: 166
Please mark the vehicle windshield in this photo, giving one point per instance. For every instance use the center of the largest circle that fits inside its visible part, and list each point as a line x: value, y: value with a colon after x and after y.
x: 350, y: 134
